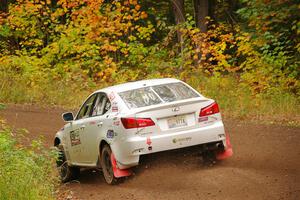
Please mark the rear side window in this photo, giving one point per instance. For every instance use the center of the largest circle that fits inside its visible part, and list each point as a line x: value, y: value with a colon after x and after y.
x: 157, y: 94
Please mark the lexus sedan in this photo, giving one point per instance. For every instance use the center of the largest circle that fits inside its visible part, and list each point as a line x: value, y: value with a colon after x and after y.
x: 116, y: 125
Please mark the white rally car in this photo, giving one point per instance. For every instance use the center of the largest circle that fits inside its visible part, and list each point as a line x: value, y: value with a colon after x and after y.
x: 118, y: 124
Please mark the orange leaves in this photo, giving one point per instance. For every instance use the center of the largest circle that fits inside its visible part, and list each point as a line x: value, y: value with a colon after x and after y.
x: 92, y: 38
x: 109, y: 47
x: 137, y: 7
x: 144, y: 15
x: 210, y: 51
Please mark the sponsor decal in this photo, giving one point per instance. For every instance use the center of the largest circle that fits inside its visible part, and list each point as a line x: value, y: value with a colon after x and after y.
x: 110, y: 134
x: 114, y: 107
x: 202, y: 119
x: 75, y: 137
x: 213, y: 118
x: 148, y: 141
x: 116, y: 123
x: 180, y: 140
x: 146, y: 133
x: 111, y: 96
x: 175, y: 109
x: 92, y: 122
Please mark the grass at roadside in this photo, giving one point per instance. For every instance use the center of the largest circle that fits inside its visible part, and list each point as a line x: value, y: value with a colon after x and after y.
x: 22, y: 88
x: 236, y: 100
x: 25, y: 172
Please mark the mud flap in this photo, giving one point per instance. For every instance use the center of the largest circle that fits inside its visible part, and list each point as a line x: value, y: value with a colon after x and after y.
x: 227, y: 152
x: 118, y: 173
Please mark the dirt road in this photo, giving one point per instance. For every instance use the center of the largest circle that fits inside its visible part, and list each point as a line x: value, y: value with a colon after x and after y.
x: 265, y: 165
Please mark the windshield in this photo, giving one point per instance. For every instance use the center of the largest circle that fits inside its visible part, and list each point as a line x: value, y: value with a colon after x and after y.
x: 157, y: 94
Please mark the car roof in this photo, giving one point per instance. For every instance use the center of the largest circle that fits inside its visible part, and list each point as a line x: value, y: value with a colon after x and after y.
x: 138, y: 84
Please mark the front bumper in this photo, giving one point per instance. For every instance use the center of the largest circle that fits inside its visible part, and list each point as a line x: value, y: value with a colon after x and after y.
x: 128, y: 151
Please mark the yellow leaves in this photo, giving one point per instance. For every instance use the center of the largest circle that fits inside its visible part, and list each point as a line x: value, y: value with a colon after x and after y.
x: 94, y: 37
x: 222, y: 46
x: 108, y: 60
x: 109, y: 68
x: 194, y: 31
x: 136, y: 18
x: 132, y: 38
x: 145, y: 32
x: 195, y: 57
x: 133, y: 2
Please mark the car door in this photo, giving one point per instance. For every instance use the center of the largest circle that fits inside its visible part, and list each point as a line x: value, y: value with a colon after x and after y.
x: 77, y: 130
x: 97, y: 127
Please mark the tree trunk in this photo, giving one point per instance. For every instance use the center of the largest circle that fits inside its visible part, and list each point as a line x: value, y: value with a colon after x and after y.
x: 178, y: 10
x: 201, y: 8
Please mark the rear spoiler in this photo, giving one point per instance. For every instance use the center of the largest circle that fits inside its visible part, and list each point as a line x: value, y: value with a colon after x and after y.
x: 170, y: 104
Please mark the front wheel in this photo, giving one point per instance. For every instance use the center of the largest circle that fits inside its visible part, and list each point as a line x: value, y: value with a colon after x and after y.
x: 66, y: 172
x: 107, y: 167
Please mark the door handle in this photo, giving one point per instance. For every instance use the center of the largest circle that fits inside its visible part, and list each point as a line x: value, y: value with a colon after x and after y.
x: 100, y: 124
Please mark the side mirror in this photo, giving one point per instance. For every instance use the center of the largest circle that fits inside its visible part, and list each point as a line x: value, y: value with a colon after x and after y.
x: 67, y: 117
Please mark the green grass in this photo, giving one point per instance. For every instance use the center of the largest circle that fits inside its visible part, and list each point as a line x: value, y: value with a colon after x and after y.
x: 26, y: 173
x: 235, y: 98
x: 15, y: 88
x: 237, y: 101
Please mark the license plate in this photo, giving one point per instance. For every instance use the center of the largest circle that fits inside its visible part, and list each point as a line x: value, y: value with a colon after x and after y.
x: 177, y: 121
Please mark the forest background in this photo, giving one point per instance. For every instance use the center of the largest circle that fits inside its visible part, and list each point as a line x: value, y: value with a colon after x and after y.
x: 244, y: 54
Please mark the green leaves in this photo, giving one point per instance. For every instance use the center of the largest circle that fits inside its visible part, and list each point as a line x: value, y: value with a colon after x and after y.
x: 75, y: 44
x: 2, y: 106
x: 25, y: 174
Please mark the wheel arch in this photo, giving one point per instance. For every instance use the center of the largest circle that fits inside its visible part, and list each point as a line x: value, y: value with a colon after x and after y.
x: 57, y: 141
x: 102, y: 143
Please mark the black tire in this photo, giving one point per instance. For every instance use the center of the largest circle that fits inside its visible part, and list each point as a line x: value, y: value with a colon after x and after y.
x: 106, y: 165
x: 67, y: 173
x: 209, y: 158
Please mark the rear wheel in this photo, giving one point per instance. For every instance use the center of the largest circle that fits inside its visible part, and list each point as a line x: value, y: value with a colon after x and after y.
x: 209, y: 158
x: 66, y: 172
x: 107, y: 167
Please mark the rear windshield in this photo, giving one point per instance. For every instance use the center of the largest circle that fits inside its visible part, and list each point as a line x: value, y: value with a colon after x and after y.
x: 153, y: 95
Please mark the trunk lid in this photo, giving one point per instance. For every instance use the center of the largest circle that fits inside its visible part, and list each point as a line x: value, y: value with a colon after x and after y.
x: 172, y: 117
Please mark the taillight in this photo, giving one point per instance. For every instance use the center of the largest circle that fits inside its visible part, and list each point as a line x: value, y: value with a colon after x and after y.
x: 209, y: 110
x: 136, y: 122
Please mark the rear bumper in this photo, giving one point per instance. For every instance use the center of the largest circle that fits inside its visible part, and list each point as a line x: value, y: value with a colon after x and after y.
x: 127, y: 152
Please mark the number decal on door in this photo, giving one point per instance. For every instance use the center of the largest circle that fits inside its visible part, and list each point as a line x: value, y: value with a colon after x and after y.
x: 75, y: 137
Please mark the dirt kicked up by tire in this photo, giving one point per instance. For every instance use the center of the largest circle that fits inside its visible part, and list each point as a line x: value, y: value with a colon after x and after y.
x: 265, y: 164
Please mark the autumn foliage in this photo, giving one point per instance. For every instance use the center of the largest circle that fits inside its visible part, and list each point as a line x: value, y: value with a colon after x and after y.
x: 51, y: 45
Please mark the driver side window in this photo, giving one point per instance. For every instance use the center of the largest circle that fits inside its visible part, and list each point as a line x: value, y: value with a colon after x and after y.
x: 86, y: 109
